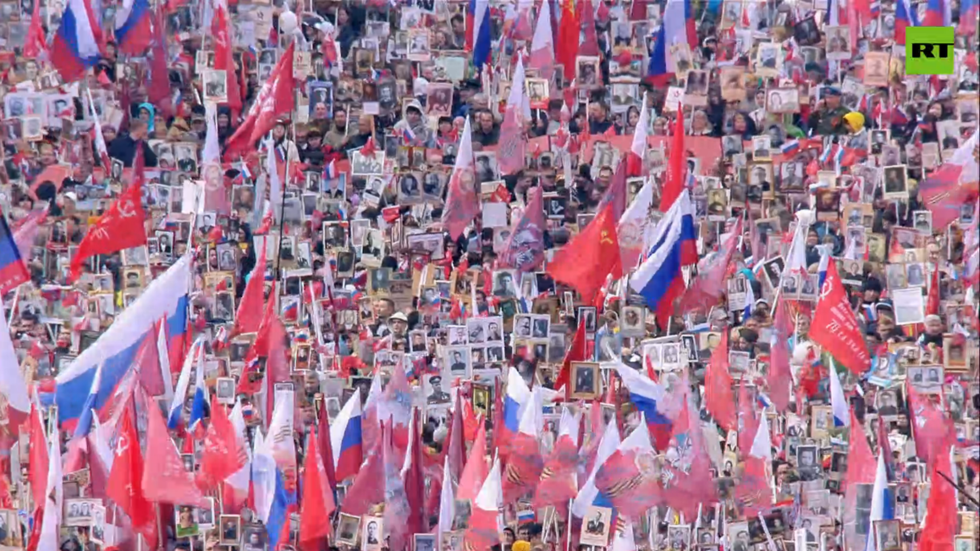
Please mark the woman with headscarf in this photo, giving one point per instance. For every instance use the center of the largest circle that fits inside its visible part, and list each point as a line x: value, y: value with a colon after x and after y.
x: 147, y: 113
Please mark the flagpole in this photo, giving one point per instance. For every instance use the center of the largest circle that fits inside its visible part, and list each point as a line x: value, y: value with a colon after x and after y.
x: 282, y: 206
x: 568, y: 531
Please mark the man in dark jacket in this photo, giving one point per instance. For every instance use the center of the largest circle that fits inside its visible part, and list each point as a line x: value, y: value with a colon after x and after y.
x: 486, y: 131
x: 124, y: 147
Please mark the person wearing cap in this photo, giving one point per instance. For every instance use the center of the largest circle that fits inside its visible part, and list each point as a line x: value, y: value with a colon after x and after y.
x: 283, y: 142
x: 311, y: 152
x: 829, y: 117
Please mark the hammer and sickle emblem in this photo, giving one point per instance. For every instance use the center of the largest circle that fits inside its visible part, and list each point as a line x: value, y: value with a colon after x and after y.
x: 825, y: 291
x: 122, y: 444
x: 126, y: 209
x: 604, y: 238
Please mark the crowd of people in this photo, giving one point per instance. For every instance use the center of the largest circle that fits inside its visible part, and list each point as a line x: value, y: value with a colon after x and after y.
x: 520, y: 275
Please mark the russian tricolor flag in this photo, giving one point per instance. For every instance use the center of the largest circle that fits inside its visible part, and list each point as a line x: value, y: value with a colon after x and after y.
x: 937, y: 14
x: 283, y: 502
x: 646, y: 395
x: 13, y: 269
x: 838, y: 403
x: 790, y: 147
x: 969, y: 13
x: 905, y: 17
x: 478, y: 31
x: 201, y: 405
x: 589, y: 494
x: 12, y: 383
x: 76, y: 44
x: 346, y: 440
x: 180, y: 393
x: 515, y: 402
x: 133, y: 30
x: 659, y: 279
x: 112, y: 356
x: 882, y: 507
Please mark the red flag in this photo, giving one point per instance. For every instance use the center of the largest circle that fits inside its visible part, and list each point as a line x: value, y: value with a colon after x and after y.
x: 835, y: 326
x: 749, y: 424
x: 222, y: 456
x: 26, y: 230
x: 941, y: 519
x: 593, y: 254
x: 753, y: 490
x: 37, y: 472
x: 159, y: 90
x: 35, y: 44
x: 274, y: 98
x: 930, y: 428
x: 616, y: 194
x: 124, y: 480
x: 932, y: 299
x: 249, y: 314
x: 566, y: 47
x: 326, y: 448
x: 718, y: 393
x: 148, y: 363
x: 524, y: 466
x: 525, y: 248
x: 685, y: 491
x: 471, y: 422
x: 590, y: 44
x: 484, y: 530
x: 861, y: 467
x: 368, y: 488
x: 318, y: 501
x: 456, y: 441
x: 780, y: 378
x: 577, y: 353
x: 678, y: 163
x: 369, y: 149
x: 121, y: 227
x: 221, y: 27
x: 476, y: 468
x: 165, y: 480
x: 462, y: 198
x: 709, y: 285
x: 558, y: 484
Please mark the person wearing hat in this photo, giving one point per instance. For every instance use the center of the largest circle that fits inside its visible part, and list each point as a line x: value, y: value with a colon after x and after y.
x: 398, y: 322
x: 854, y: 121
x: 437, y: 395
x: 829, y: 116
x: 311, y: 152
x: 283, y: 142
x: 413, y: 123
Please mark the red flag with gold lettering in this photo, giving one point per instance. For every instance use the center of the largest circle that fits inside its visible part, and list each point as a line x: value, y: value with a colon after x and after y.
x: 835, y: 327
x: 121, y: 227
x: 593, y: 254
